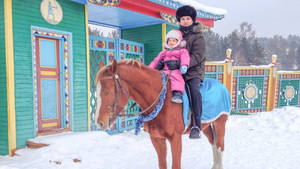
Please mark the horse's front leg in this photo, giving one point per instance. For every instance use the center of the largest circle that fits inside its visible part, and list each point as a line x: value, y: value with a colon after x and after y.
x: 176, y: 148
x: 161, y: 150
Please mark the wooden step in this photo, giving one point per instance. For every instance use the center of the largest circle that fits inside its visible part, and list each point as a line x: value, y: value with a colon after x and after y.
x: 53, y: 132
x: 34, y: 145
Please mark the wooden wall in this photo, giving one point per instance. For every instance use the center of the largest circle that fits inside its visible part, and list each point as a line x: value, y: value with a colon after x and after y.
x: 151, y: 36
x: 27, y: 13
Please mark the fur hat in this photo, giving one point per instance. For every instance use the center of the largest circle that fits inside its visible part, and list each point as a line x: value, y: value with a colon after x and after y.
x: 176, y: 34
x: 186, y: 10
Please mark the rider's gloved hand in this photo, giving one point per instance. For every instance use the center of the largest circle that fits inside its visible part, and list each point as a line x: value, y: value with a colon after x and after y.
x: 183, y: 69
x: 160, y: 65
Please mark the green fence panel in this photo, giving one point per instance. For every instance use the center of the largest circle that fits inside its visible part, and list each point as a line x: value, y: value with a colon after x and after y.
x: 287, y: 90
x: 249, y: 90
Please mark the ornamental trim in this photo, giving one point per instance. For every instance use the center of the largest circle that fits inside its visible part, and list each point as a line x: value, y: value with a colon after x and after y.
x: 251, y: 92
x: 289, y: 93
x: 105, y: 2
x: 175, y: 5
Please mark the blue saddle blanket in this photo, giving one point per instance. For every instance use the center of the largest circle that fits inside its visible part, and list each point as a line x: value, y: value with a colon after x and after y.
x: 216, y: 101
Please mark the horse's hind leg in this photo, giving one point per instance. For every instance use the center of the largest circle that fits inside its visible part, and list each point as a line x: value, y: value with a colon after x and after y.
x: 161, y: 150
x: 209, y: 132
x: 218, y: 146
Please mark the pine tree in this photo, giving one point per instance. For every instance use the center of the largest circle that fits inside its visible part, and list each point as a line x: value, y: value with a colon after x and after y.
x: 212, y: 45
x: 298, y: 56
x: 291, y: 56
x: 258, y: 53
x: 234, y: 45
x: 225, y: 44
x: 277, y: 45
x: 246, y: 52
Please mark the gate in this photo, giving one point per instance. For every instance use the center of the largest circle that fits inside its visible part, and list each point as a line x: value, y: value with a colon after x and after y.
x: 105, y: 50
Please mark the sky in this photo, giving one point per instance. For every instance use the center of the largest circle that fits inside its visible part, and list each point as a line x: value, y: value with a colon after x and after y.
x: 265, y: 140
x: 268, y: 17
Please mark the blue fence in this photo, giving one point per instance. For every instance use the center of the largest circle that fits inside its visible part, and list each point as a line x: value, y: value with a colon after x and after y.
x: 106, y: 50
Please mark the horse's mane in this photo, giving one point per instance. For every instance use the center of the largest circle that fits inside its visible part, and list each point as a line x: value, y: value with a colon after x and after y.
x: 132, y: 62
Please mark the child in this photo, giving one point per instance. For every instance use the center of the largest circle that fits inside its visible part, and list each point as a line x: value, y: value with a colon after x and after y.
x: 175, y: 51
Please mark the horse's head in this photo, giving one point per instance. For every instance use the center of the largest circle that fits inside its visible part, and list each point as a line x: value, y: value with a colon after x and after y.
x: 111, y: 95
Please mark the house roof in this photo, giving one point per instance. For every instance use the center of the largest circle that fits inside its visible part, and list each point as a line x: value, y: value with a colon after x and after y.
x: 135, y: 13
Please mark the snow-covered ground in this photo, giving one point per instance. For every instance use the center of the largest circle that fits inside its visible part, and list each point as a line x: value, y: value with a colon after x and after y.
x: 267, y: 140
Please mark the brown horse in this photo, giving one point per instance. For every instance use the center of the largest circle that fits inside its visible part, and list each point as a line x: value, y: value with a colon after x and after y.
x: 118, y: 82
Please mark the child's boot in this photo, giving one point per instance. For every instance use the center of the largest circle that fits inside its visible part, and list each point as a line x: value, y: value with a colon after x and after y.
x: 177, y: 97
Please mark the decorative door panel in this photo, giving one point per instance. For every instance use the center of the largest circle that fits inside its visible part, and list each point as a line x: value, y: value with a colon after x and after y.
x: 48, y: 83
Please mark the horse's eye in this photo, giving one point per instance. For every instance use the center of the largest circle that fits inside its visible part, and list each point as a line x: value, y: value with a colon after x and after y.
x: 106, y: 93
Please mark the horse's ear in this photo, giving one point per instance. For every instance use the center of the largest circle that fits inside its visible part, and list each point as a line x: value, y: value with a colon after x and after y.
x: 114, y: 66
x: 101, y: 64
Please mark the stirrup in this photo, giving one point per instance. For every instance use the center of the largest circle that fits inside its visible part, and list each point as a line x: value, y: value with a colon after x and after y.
x: 196, y: 134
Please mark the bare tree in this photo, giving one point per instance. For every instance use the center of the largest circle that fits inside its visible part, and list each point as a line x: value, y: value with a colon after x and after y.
x: 113, y: 34
x: 246, y: 31
x: 95, y: 32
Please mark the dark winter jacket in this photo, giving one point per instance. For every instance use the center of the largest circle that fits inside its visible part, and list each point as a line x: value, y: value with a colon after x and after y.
x: 197, y: 47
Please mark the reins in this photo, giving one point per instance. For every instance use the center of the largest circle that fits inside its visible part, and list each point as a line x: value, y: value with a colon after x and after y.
x: 117, y: 81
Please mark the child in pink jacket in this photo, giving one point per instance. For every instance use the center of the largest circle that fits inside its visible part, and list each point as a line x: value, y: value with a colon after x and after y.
x: 174, y: 50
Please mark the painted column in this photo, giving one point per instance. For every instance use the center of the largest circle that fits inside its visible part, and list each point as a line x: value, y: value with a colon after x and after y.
x: 163, y: 33
x: 272, y: 84
x: 88, y: 66
x: 10, y: 76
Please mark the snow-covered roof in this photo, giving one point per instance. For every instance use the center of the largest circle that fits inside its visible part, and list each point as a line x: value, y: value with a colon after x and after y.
x: 203, y: 11
x: 199, y: 6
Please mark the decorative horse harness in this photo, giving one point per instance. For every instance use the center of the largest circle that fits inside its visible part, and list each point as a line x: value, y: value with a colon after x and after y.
x: 114, y: 105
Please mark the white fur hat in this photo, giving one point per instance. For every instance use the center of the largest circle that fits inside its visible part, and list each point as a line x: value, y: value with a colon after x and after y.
x: 176, y: 34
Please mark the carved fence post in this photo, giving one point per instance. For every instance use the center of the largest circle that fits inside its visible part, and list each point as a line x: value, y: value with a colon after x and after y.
x: 228, y: 72
x: 272, y: 84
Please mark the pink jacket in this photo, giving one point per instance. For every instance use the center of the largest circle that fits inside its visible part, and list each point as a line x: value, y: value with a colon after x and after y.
x: 177, y: 54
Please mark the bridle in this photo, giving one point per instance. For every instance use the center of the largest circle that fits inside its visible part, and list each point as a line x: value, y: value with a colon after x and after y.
x: 113, y: 114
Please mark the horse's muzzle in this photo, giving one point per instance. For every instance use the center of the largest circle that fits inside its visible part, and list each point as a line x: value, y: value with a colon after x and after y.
x: 100, y: 125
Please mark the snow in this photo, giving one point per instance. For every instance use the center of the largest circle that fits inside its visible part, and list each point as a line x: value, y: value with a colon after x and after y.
x: 266, y: 140
x: 199, y: 6
x: 287, y: 72
x: 262, y: 66
x: 258, y: 66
